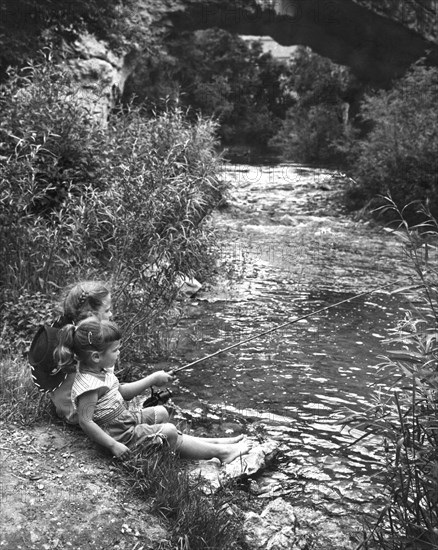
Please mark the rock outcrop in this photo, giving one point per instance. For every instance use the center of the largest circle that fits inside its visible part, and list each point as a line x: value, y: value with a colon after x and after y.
x: 101, y: 73
x: 281, y: 526
x: 214, y: 475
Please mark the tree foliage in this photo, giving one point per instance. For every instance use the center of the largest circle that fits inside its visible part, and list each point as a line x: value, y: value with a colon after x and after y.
x: 217, y: 74
x: 127, y: 203
x: 317, y: 122
x: 399, y: 154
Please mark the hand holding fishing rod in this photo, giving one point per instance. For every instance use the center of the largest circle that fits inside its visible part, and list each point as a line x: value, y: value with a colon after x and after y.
x: 159, y: 396
x: 163, y: 396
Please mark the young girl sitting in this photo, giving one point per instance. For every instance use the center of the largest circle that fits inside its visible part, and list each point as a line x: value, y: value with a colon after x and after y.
x: 100, y: 399
x: 85, y: 299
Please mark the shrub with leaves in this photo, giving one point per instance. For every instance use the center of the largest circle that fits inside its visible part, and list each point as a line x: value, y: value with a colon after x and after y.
x: 399, y: 154
x: 315, y: 127
x: 406, y: 413
x: 310, y: 135
x: 218, y: 74
x: 166, y: 188
x: 128, y: 203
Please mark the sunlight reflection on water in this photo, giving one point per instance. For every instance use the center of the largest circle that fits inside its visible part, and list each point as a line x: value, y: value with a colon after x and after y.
x: 286, y: 258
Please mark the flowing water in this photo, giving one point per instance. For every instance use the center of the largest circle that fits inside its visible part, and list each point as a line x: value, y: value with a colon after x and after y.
x: 287, y: 249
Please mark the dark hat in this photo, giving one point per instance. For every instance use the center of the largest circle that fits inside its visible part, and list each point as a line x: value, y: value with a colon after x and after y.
x: 44, y: 370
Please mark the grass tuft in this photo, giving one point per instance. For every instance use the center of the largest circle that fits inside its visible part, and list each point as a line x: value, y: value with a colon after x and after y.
x: 197, y: 521
x: 20, y: 399
x: 405, y: 417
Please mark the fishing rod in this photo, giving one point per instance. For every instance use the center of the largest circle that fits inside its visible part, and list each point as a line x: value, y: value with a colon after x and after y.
x: 164, y: 395
x: 279, y: 327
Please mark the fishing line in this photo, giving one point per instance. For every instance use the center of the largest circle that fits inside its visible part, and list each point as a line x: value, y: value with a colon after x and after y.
x: 279, y: 327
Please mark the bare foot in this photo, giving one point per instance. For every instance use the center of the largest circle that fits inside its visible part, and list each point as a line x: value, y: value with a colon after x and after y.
x: 233, y: 451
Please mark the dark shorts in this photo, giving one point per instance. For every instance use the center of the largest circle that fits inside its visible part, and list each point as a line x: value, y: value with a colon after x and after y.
x: 134, y: 428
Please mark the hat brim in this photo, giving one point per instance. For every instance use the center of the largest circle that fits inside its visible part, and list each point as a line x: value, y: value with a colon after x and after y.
x: 47, y: 382
x: 44, y: 370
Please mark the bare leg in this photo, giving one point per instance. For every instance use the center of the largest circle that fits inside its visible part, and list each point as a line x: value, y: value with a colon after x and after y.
x: 222, y: 440
x: 199, y: 449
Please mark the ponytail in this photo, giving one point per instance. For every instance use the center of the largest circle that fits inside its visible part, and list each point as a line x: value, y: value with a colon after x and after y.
x: 84, y: 299
x: 64, y: 353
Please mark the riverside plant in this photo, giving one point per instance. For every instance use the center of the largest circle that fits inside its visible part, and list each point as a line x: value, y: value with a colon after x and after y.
x: 196, y: 522
x: 20, y: 400
x: 127, y: 203
x: 398, y: 153
x: 406, y: 414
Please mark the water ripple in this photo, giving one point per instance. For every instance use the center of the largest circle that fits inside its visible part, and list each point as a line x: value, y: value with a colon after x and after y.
x: 291, y: 255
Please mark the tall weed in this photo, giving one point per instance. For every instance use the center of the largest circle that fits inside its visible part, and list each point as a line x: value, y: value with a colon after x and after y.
x: 128, y: 203
x: 406, y: 414
x: 197, y: 522
x: 20, y: 399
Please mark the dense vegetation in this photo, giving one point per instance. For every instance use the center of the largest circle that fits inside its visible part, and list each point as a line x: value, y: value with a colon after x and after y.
x: 29, y: 25
x: 405, y: 416
x: 318, y: 123
x: 217, y: 74
x: 133, y: 213
x: 398, y: 155
x: 386, y: 140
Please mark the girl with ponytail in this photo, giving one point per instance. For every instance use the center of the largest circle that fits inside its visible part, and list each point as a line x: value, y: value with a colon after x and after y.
x: 93, y: 345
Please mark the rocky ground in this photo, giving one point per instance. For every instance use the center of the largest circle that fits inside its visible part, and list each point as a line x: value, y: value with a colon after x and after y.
x: 59, y: 492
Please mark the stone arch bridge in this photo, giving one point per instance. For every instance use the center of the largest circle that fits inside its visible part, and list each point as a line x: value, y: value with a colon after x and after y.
x: 378, y: 39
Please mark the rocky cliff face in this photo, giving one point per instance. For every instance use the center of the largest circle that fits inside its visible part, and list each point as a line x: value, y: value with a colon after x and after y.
x: 101, y: 73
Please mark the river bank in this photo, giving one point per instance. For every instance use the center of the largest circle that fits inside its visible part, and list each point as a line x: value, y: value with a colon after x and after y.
x: 286, y: 252
x: 60, y: 492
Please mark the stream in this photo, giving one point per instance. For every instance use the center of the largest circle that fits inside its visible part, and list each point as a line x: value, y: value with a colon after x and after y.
x: 288, y: 249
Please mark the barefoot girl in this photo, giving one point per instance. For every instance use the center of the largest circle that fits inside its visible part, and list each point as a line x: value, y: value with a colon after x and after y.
x: 85, y: 299
x: 100, y: 399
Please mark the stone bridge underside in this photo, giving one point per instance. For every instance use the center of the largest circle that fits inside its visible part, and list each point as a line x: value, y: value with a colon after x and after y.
x: 377, y: 47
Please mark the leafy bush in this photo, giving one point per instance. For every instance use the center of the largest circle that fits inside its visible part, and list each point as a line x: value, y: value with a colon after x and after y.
x: 315, y: 126
x: 407, y: 416
x: 399, y: 154
x: 310, y: 136
x: 216, y: 73
x: 127, y: 203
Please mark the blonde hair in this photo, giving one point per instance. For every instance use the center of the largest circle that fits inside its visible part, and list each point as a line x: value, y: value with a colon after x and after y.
x: 84, y: 299
x: 78, y: 341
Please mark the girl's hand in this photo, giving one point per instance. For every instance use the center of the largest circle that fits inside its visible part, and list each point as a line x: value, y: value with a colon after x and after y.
x: 161, y: 378
x: 120, y: 451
